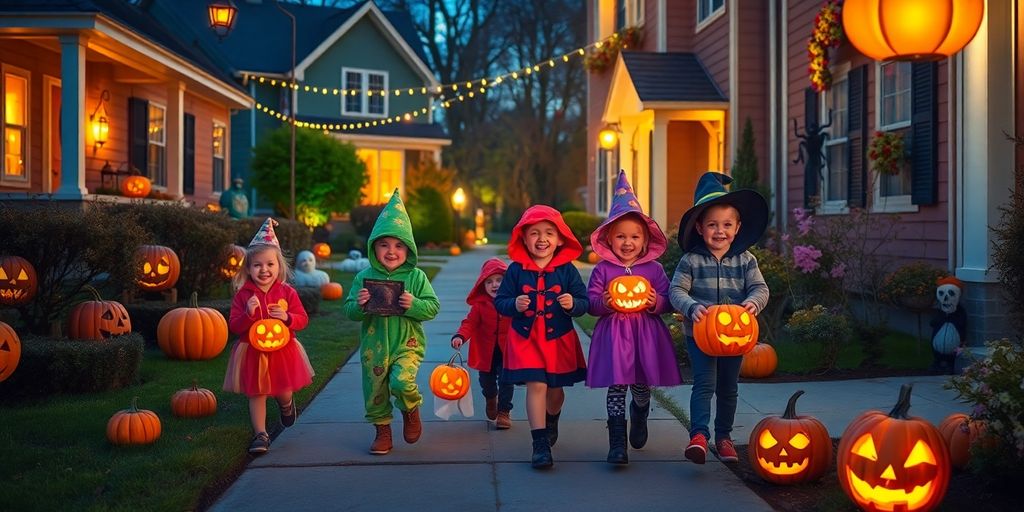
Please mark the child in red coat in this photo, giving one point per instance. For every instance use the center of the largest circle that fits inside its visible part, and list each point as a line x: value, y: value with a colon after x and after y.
x: 489, y: 333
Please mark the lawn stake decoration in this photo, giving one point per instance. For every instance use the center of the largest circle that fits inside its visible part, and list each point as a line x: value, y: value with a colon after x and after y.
x: 194, y: 402
x: 98, y: 319
x: 160, y: 268
x: 192, y: 333
x: 960, y: 432
x: 133, y: 426
x: 893, y: 462
x: 136, y: 186
x: 331, y: 291
x: 629, y: 293
x: 18, y: 282
x: 233, y: 260
x: 760, y: 362
x: 450, y: 381
x: 322, y: 250
x: 726, y: 330
x: 790, y: 449
x: 10, y: 351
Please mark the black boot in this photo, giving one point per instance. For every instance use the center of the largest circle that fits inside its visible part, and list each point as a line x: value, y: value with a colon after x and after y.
x: 541, y: 450
x: 552, y: 422
x: 617, y: 440
x: 638, y: 430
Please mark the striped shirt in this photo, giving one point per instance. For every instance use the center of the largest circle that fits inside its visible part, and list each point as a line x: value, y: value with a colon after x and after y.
x: 700, y: 278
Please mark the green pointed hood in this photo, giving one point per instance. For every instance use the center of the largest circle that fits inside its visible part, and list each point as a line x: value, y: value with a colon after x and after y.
x: 393, y: 221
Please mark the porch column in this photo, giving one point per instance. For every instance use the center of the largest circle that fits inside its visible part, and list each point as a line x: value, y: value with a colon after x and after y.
x: 175, y: 137
x: 659, y: 171
x: 72, y: 110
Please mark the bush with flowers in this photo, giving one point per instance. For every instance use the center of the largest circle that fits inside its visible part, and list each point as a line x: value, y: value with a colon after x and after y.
x: 887, y: 153
x: 604, y: 53
x: 827, y: 33
x: 912, y: 285
x: 817, y: 324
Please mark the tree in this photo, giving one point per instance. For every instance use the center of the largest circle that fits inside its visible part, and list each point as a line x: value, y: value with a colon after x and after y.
x: 744, y: 168
x: 329, y: 176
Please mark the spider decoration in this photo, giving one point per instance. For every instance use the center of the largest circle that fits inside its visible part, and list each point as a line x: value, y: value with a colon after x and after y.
x: 810, y: 153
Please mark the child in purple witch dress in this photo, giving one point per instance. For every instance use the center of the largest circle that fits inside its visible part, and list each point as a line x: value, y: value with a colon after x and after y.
x: 631, y: 346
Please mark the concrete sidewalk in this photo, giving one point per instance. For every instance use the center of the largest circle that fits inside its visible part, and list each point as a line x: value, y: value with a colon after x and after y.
x: 322, y: 462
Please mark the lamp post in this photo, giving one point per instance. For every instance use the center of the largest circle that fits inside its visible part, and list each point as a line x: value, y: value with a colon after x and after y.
x: 458, y: 202
x: 291, y: 110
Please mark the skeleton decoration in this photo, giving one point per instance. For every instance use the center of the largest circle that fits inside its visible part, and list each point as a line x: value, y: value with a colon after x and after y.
x: 948, y: 323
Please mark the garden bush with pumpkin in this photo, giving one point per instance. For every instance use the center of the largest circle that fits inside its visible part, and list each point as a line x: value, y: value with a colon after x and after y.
x: 50, y: 366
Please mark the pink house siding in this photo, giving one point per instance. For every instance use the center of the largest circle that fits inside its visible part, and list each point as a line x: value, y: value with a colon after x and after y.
x: 752, y: 80
x: 711, y: 44
x: 679, y: 23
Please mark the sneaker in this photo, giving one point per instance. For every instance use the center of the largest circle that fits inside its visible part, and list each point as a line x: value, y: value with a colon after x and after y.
x: 725, y: 450
x: 503, y: 421
x: 260, y: 444
x: 698, y: 449
x: 289, y: 413
x: 382, y: 443
x: 412, y: 427
x: 492, y: 408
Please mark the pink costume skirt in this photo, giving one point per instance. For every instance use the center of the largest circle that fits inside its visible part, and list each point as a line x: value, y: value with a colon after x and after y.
x: 256, y: 373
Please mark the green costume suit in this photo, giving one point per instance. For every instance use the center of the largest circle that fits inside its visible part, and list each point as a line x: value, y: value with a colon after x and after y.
x: 392, y: 347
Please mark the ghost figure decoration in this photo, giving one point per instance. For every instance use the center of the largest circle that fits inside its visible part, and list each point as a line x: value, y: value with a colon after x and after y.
x: 355, y: 262
x: 306, y: 273
x: 949, y: 323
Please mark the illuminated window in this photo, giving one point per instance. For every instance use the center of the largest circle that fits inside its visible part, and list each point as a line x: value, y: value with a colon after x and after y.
x: 384, y: 170
x: 15, y: 135
x: 219, y: 131
x: 156, y: 163
x: 367, y: 100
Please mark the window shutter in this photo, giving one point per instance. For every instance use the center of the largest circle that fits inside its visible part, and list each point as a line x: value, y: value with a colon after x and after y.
x: 138, y: 134
x: 857, y: 132
x: 923, y: 133
x: 811, y: 175
x: 188, y: 154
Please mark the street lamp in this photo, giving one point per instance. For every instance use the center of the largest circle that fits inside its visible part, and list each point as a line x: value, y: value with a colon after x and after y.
x: 458, y: 202
x: 222, y: 16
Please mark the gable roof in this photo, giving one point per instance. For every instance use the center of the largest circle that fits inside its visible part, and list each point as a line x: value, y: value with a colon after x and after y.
x: 675, y: 77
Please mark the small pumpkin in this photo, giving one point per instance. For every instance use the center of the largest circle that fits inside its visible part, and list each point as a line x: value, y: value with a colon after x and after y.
x: 893, y: 461
x: 136, y: 186
x: 455, y: 250
x: 18, y: 281
x: 331, y: 291
x: 10, y: 351
x: 450, y: 381
x: 726, y: 330
x: 269, y: 335
x: 194, y: 402
x: 159, y: 268
x: 760, y: 362
x: 234, y: 258
x: 98, y: 319
x: 192, y: 333
x: 592, y: 257
x: 133, y: 426
x: 322, y: 250
x: 629, y: 293
x: 960, y: 432
x: 790, y: 449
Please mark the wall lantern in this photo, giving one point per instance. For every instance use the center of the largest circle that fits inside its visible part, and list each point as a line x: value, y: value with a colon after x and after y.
x: 459, y: 199
x: 608, y: 138
x: 222, y: 16
x: 915, y: 30
x: 98, y: 122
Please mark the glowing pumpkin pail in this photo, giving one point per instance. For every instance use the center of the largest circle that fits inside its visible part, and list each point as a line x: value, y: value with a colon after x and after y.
x: 450, y: 384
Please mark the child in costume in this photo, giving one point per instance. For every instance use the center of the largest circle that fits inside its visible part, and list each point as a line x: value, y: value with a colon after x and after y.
x: 716, y: 268
x: 630, y: 349
x: 488, y: 332
x: 542, y: 291
x: 252, y: 369
x: 392, y: 347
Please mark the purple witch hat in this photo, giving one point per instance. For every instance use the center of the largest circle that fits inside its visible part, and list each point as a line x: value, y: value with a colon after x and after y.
x: 624, y: 202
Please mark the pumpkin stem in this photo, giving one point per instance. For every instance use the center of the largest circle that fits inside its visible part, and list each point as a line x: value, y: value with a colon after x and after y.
x: 135, y: 404
x: 195, y: 385
x: 790, y: 413
x: 95, y: 293
x: 903, y: 404
x: 195, y: 299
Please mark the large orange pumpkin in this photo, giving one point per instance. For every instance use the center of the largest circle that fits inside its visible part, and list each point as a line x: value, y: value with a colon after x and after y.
x: 18, y: 282
x: 322, y: 250
x: 331, y: 291
x: 893, y: 461
x: 133, y: 426
x: 960, y: 432
x: 269, y: 335
x: 790, y: 449
x: 10, y: 351
x: 450, y: 381
x: 136, y: 186
x: 726, y: 330
x: 233, y: 259
x: 760, y: 362
x: 194, y: 402
x: 159, y: 268
x: 629, y: 293
x: 192, y: 333
x: 98, y: 319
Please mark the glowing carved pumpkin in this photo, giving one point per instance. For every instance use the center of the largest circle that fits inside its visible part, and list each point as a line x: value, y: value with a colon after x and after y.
x: 192, y: 333
x: 160, y: 268
x: 790, y: 449
x: 322, y: 250
x: 136, y: 186
x: 726, y: 330
x: 18, y: 282
x: 331, y: 291
x: 760, y: 362
x: 893, y: 462
x: 98, y: 319
x: 629, y: 293
x: 450, y: 381
x: 10, y: 351
x: 455, y: 250
x: 133, y: 426
x: 233, y: 261
x: 269, y: 335
x: 960, y: 432
x: 194, y: 402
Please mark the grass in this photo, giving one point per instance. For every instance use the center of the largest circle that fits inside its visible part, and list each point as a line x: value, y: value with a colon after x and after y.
x: 898, y: 351
x: 55, y: 456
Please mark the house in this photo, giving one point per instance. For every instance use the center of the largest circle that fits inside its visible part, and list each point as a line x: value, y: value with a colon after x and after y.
x: 679, y: 100
x: 95, y: 88
x: 360, y: 50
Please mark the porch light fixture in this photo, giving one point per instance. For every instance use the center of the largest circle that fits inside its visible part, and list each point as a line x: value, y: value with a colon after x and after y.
x: 222, y: 16
x: 459, y: 199
x: 608, y: 138
x: 911, y: 30
x: 98, y: 122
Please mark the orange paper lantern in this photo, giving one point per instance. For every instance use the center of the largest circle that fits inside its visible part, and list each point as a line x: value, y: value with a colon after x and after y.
x: 911, y: 29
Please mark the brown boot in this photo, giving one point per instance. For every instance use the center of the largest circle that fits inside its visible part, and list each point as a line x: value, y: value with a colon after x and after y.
x: 503, y: 422
x: 412, y: 427
x: 382, y: 443
x: 492, y: 407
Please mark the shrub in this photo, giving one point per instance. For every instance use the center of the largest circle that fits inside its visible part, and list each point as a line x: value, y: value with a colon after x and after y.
x: 1008, y: 255
x: 51, y: 366
x: 146, y: 315
x: 912, y: 285
x: 777, y: 270
x: 430, y: 215
x: 310, y: 298
x: 819, y: 325
x: 670, y: 258
x: 363, y: 217
x: 582, y: 224
x: 294, y: 236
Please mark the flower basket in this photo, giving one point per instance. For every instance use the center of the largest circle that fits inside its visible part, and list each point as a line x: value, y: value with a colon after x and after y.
x: 604, y: 53
x: 887, y: 153
x: 912, y: 286
x: 827, y: 33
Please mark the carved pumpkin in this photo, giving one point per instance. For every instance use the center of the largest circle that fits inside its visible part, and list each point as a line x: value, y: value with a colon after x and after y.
x: 269, y: 335
x: 629, y: 293
x: 159, y: 268
x: 760, y: 362
x: 133, y: 426
x: 192, y: 333
x: 322, y: 250
x: 18, y: 281
x: 726, y: 330
x: 194, y: 402
x: 450, y: 381
x: 10, y: 351
x: 893, y: 462
x: 960, y: 432
x: 455, y: 250
x: 98, y: 319
x: 331, y: 291
x: 790, y: 449
x: 136, y: 186
x: 233, y: 261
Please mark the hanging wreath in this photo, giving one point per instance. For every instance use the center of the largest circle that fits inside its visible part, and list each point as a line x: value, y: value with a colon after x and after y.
x: 827, y: 33
x: 603, y: 55
x: 887, y: 152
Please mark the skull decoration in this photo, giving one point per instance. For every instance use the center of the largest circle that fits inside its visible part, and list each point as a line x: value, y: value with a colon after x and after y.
x: 948, y: 294
x: 726, y: 330
x: 18, y: 281
x: 629, y: 293
x: 269, y: 335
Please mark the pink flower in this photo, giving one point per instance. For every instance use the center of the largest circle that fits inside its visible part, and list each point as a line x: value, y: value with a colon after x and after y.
x: 805, y: 257
x: 799, y: 214
x: 804, y: 226
x: 838, y: 271
x: 785, y: 237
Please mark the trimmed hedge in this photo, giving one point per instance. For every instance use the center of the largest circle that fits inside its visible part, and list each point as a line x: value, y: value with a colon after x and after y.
x: 430, y: 216
x: 294, y: 236
x: 50, y: 366
x: 582, y: 225
x: 310, y: 298
x: 146, y: 315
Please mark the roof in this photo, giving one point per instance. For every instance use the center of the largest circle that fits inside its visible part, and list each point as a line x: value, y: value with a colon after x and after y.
x: 670, y: 77
x: 408, y: 129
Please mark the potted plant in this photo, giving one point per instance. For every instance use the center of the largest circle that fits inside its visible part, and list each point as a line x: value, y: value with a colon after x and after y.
x: 887, y: 153
x: 604, y: 53
x: 912, y: 286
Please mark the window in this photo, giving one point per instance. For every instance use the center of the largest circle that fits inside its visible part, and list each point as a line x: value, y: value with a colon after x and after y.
x: 837, y: 172
x: 362, y: 82
x: 607, y: 170
x: 894, y: 81
x: 156, y: 162
x: 706, y: 9
x: 628, y: 13
x: 15, y: 135
x: 384, y: 170
x: 218, y: 156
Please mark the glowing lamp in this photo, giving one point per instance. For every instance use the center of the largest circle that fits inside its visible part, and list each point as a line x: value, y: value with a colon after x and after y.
x: 459, y: 199
x: 608, y: 138
x: 917, y: 30
x: 222, y: 16
x: 98, y: 122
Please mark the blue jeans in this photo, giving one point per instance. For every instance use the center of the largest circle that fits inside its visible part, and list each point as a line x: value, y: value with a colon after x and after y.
x: 717, y: 376
x: 491, y: 387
